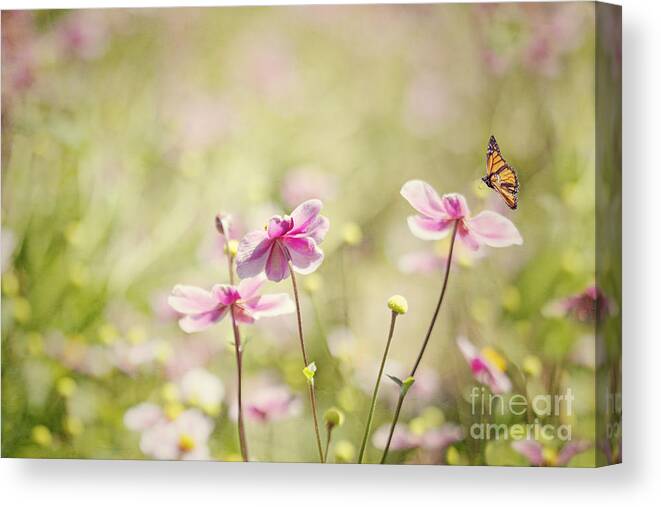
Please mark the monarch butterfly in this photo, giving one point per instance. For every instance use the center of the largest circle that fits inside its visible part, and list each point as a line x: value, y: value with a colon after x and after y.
x: 500, y: 175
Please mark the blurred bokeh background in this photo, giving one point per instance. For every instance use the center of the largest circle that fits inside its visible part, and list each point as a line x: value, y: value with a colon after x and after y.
x: 125, y: 131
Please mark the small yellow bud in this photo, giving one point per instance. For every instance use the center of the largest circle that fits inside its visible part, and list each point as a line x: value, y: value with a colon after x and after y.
x: 309, y: 372
x: 170, y: 392
x: 453, y: 457
x: 313, y: 283
x: 22, y: 310
x: 352, y: 234
x: 173, y: 410
x: 10, y: 283
x: 107, y: 334
x: 42, y: 435
x: 136, y: 335
x: 73, y: 425
x: 333, y: 417
x: 66, y: 386
x: 398, y: 304
x: 345, y: 452
x: 532, y: 366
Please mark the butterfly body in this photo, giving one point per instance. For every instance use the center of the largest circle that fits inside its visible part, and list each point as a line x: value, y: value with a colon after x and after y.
x: 501, y: 177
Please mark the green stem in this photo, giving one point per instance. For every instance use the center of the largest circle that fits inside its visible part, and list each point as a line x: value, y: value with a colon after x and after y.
x: 370, y: 415
x: 425, y: 342
x: 329, y: 433
x: 239, y: 374
x: 239, y: 361
x: 313, y: 397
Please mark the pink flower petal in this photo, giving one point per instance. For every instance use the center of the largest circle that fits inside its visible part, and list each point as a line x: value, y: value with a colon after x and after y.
x: 142, y: 416
x: 424, y: 199
x: 440, y: 438
x: 187, y: 299
x: 304, y: 215
x: 196, y: 323
x: 455, y: 206
x: 253, y: 252
x: 305, y: 255
x: 248, y: 287
x: 570, y: 450
x: 278, y: 226
x: 271, y: 305
x: 531, y: 450
x: 317, y: 229
x: 422, y: 262
x: 469, y: 240
x: 429, y: 228
x: 226, y: 295
x: 494, y: 229
x: 276, y: 265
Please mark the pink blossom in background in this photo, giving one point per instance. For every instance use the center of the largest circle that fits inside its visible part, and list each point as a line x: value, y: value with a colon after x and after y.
x: 434, y: 439
x: 294, y: 237
x: 266, y: 400
x: 437, y: 216
x: 202, y: 308
x: 161, y: 308
x: 439, y: 439
x: 185, y: 437
x: 536, y: 455
x: 304, y: 183
x: 190, y: 353
x: 585, y: 306
x: 424, y: 262
x: 483, y: 368
x: 402, y: 438
x: 18, y: 52
x: 84, y: 34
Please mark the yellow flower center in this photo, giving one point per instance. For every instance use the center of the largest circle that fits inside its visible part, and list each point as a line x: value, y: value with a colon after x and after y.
x: 186, y: 443
x: 550, y: 456
x: 494, y: 358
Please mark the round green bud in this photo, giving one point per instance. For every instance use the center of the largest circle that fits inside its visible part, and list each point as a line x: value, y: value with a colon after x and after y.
x: 333, y: 417
x: 398, y: 304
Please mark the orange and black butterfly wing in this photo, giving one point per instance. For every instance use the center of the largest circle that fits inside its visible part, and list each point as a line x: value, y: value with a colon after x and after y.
x: 500, y: 175
x: 507, y: 185
x: 495, y: 160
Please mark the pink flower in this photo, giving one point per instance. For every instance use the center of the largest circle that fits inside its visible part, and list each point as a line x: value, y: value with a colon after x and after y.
x: 402, y: 438
x: 184, y: 437
x: 485, y: 366
x: 587, y: 306
x: 202, y: 308
x: 439, y: 214
x: 433, y: 439
x: 538, y: 455
x: 266, y: 403
x: 296, y: 238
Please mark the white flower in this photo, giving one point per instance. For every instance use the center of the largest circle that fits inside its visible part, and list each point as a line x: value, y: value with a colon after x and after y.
x: 203, y: 389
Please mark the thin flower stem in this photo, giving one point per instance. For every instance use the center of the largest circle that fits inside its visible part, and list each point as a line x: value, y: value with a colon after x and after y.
x: 329, y: 434
x: 313, y: 397
x: 425, y: 342
x: 370, y: 415
x: 239, y: 361
x: 239, y: 373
